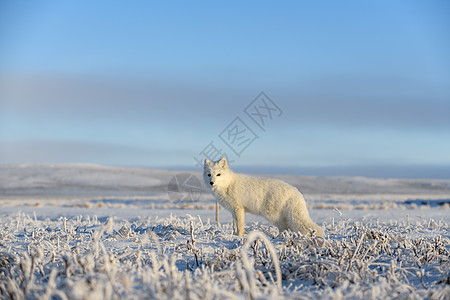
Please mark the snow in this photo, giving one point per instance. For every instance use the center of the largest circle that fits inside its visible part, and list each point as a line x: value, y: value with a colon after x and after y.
x: 84, y: 231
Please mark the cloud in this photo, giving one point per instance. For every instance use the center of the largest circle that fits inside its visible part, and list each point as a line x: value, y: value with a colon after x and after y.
x: 341, y: 101
x: 107, y: 98
x: 117, y: 120
x: 372, y: 102
x: 38, y: 151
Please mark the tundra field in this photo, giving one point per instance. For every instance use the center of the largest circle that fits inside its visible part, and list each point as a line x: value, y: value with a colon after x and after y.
x: 95, y: 232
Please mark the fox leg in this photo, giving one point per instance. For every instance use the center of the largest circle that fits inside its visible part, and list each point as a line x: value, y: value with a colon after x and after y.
x: 238, y: 221
x: 235, y: 231
x: 281, y: 227
x: 298, y: 219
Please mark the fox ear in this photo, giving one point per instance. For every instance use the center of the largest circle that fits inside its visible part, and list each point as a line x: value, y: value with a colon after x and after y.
x: 207, y: 162
x: 223, y: 163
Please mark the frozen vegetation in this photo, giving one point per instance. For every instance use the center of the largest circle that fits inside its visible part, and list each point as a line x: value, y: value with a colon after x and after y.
x: 92, y: 232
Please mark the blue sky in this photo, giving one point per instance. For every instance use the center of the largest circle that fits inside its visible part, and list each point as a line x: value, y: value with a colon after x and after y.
x: 152, y: 84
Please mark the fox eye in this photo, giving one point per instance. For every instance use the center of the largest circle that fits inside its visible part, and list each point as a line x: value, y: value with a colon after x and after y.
x: 218, y: 174
x: 209, y: 175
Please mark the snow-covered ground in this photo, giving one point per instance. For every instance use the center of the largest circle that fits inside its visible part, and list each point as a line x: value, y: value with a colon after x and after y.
x: 92, y: 232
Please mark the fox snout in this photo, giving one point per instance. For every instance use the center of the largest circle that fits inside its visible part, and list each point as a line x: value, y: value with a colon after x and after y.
x: 211, y: 182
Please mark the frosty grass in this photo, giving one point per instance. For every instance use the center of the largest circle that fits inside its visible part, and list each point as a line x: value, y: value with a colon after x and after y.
x: 187, y: 258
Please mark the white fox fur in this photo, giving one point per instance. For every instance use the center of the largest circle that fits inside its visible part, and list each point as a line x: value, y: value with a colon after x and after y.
x: 280, y: 203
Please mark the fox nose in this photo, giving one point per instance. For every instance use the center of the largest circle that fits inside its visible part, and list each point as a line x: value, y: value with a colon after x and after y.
x: 211, y: 183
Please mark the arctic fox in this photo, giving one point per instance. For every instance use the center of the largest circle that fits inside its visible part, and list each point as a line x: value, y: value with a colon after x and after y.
x: 280, y: 203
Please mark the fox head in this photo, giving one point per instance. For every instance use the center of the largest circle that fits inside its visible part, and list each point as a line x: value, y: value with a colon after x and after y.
x: 216, y: 174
